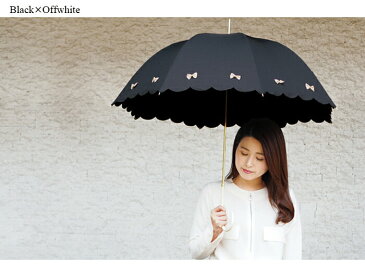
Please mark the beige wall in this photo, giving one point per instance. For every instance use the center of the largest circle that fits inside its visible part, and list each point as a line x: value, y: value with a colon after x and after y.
x: 80, y: 179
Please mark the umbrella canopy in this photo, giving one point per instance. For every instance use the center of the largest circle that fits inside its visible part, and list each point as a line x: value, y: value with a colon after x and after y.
x: 186, y: 82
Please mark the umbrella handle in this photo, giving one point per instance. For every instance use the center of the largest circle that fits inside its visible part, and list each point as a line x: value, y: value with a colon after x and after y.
x: 230, y: 223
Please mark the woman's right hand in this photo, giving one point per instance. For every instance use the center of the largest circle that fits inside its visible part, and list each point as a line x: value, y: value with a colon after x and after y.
x: 218, y: 218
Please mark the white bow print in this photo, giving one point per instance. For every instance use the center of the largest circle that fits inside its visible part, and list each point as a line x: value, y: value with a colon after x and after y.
x: 133, y: 85
x: 235, y: 76
x: 154, y: 79
x: 190, y: 75
x: 309, y: 87
x: 278, y: 81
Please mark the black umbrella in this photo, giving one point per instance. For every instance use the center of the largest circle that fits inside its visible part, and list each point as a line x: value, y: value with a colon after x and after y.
x: 185, y: 82
x: 226, y: 79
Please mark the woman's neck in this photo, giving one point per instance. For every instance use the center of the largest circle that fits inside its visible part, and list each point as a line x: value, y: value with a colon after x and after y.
x: 249, y: 185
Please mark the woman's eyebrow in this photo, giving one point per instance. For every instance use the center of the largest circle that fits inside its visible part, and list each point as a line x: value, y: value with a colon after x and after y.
x: 249, y: 150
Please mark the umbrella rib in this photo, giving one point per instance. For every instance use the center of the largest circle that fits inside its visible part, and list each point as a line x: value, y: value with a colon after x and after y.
x: 255, y: 64
x: 172, y: 65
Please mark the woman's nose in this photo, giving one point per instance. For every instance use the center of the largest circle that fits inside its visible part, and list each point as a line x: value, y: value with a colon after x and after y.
x: 249, y: 161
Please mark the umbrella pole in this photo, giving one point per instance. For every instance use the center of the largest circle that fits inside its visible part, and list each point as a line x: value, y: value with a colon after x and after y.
x: 224, y: 154
x: 224, y: 134
x: 224, y: 149
x: 224, y: 138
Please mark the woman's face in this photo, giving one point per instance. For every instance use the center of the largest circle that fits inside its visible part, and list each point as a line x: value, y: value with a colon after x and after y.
x: 250, y: 157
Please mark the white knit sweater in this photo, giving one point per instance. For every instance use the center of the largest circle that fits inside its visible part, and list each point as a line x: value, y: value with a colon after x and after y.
x: 251, y: 230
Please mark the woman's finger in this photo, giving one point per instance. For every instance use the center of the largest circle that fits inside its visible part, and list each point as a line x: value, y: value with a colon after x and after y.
x: 221, y: 208
x: 221, y: 224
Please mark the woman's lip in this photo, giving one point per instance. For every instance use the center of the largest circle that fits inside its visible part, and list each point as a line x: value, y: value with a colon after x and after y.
x: 247, y: 171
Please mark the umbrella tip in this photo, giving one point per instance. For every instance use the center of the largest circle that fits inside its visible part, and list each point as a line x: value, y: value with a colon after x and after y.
x: 229, y: 26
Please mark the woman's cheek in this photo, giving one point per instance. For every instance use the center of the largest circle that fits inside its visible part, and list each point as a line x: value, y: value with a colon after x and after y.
x: 237, y: 161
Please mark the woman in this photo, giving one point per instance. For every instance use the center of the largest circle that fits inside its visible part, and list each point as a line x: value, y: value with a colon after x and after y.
x: 260, y: 212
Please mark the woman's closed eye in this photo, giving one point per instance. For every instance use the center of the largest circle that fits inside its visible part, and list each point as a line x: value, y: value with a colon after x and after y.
x: 259, y: 159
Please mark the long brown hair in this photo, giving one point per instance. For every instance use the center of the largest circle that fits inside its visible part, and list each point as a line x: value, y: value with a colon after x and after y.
x: 271, y: 137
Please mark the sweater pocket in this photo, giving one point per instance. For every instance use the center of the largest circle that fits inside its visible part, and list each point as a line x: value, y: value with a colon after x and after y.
x: 272, y: 233
x: 233, y: 233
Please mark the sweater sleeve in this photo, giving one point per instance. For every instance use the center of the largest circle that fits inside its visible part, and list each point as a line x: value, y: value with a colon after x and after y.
x: 293, y: 245
x: 201, y: 233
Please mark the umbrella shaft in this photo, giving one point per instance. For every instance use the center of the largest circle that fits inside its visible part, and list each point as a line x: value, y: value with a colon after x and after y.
x: 224, y: 149
x: 224, y: 136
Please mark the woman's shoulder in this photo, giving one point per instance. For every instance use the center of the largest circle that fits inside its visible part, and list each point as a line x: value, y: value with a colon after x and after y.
x: 292, y: 195
x: 211, y: 192
x: 294, y: 199
x: 212, y: 187
x: 215, y: 186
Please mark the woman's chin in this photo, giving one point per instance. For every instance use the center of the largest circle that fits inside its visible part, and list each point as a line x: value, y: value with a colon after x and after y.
x: 247, y: 177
